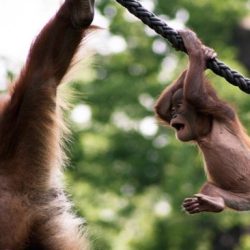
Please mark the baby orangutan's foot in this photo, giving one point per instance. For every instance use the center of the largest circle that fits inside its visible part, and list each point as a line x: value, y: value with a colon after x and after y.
x: 203, y: 203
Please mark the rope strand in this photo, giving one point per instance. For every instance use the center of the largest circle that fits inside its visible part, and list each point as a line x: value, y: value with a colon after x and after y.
x: 175, y: 39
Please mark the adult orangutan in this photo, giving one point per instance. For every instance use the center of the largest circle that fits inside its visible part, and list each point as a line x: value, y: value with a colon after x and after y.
x: 34, y: 211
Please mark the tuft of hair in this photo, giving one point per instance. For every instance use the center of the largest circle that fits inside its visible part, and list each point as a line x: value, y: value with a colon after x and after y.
x: 83, y: 61
x: 84, y: 56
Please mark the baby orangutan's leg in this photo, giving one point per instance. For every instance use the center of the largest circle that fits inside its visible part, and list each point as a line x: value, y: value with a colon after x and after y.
x: 214, y: 199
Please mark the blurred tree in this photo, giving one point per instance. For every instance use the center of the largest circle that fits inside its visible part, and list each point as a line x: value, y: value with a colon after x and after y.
x: 129, y: 175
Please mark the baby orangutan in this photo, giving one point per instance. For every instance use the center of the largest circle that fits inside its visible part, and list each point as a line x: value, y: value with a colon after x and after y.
x: 34, y: 211
x: 190, y: 105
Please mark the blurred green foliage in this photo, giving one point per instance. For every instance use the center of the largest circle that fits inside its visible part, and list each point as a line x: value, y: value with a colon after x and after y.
x: 128, y: 182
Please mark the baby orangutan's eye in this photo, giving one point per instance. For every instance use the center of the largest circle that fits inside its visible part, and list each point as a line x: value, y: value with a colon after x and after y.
x: 179, y: 105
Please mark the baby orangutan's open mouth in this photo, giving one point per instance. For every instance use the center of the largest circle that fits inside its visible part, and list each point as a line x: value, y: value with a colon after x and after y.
x: 177, y: 125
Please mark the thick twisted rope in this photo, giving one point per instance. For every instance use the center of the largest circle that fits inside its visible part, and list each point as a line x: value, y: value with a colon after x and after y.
x: 175, y: 39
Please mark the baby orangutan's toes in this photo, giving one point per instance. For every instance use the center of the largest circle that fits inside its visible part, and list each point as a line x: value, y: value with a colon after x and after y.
x: 191, y: 205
